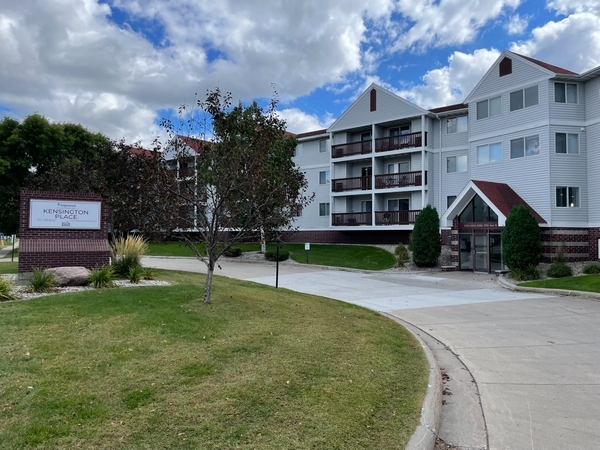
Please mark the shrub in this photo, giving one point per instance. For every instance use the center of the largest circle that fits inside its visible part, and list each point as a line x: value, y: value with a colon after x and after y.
x: 591, y: 269
x: 127, y: 253
x: 527, y: 274
x: 402, y: 255
x: 41, y: 281
x: 6, y: 290
x: 135, y: 274
x: 102, y: 277
x: 521, y: 240
x: 559, y: 270
x: 426, y: 241
x: 272, y: 256
x: 233, y: 252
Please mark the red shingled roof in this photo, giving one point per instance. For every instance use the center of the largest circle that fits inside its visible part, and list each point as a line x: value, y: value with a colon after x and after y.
x: 140, y: 152
x: 194, y: 143
x: 555, y: 69
x: 504, y: 198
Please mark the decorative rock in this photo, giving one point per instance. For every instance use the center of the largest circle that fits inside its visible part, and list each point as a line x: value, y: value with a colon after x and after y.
x: 70, y: 276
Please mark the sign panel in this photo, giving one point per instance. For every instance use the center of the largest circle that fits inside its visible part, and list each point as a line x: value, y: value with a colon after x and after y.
x: 307, y: 246
x: 64, y: 214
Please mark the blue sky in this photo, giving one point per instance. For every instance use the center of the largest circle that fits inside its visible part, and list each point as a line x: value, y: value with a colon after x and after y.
x: 119, y: 66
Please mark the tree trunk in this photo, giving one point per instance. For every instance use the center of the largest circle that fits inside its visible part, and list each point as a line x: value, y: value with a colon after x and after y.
x: 208, y: 284
x: 263, y: 242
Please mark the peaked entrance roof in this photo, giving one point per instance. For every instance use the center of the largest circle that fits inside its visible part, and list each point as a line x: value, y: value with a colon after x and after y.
x: 498, y: 196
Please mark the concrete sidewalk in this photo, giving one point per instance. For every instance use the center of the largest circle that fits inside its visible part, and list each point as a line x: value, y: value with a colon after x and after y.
x: 521, y: 369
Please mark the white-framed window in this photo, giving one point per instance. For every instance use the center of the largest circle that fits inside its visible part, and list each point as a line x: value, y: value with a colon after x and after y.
x: 324, y: 177
x: 524, y: 98
x: 404, y: 167
x: 366, y: 206
x: 398, y: 204
x: 489, y: 108
x: 489, y: 153
x: 565, y: 92
x: 391, y: 167
x: 567, y: 197
x: 323, y: 146
x: 449, y: 200
x: 456, y: 125
x: 323, y: 209
x: 456, y: 164
x: 567, y: 143
x: 528, y: 146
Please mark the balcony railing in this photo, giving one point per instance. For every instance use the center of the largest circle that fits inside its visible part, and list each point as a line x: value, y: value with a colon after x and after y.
x: 351, y: 148
x: 401, y: 179
x: 351, y: 219
x: 411, y: 140
x: 351, y: 184
x: 396, y: 217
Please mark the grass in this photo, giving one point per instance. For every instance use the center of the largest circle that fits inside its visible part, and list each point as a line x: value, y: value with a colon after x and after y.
x: 260, y: 368
x: 587, y: 283
x: 9, y: 267
x: 349, y: 256
x: 16, y: 253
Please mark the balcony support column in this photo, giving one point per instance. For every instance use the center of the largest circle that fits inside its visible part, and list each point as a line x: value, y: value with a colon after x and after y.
x: 422, y: 161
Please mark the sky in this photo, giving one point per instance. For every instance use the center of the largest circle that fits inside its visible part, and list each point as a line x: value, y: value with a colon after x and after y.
x: 120, y: 66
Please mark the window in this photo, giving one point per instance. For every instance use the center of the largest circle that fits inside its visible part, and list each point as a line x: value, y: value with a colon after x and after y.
x: 456, y: 164
x: 488, y: 108
x: 403, y: 167
x: 324, y: 177
x: 323, y: 146
x: 457, y: 125
x: 567, y: 143
x: 477, y: 211
x: 567, y: 197
x: 366, y: 206
x: 565, y: 92
x: 489, y: 153
x: 390, y: 168
x: 323, y: 209
x: 449, y: 200
x: 521, y: 147
x: 524, y: 98
x: 365, y: 136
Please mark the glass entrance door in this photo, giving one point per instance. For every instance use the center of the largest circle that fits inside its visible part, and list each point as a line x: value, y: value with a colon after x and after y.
x: 496, y: 252
x: 481, y: 253
x: 465, y: 253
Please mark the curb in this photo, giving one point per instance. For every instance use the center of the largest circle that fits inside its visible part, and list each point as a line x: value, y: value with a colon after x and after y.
x: 504, y: 283
x: 426, y: 433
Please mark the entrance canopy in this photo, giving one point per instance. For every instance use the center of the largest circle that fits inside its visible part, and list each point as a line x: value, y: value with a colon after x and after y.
x: 498, y: 196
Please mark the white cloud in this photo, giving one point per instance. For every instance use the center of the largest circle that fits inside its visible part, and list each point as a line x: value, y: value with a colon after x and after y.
x: 571, y: 43
x: 516, y: 24
x: 446, y: 22
x: 452, y: 83
x: 300, y: 122
x: 574, y: 6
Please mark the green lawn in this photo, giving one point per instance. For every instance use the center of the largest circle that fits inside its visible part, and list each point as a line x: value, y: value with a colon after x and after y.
x: 587, y: 283
x: 9, y: 267
x: 349, y: 256
x: 260, y: 368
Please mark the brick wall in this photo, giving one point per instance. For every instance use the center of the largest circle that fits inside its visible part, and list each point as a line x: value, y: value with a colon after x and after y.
x: 576, y: 244
x: 43, y: 248
x: 367, y: 237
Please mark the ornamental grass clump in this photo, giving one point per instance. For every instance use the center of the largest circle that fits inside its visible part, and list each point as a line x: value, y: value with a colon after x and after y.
x: 560, y: 269
x: 6, y: 290
x: 402, y: 255
x: 102, y: 277
x: 591, y: 269
x: 41, y: 281
x: 136, y: 273
x: 126, y: 252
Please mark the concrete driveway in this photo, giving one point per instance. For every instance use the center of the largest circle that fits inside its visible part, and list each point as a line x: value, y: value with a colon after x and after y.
x: 534, y: 358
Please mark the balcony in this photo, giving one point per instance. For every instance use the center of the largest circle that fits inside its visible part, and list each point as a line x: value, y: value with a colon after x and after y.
x: 396, y: 217
x: 351, y: 219
x: 390, y: 143
x: 351, y: 184
x: 351, y: 148
x: 401, y: 179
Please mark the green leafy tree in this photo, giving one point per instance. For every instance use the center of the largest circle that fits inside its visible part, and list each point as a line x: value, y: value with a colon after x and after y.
x: 426, y: 241
x: 521, y: 240
x: 239, y: 176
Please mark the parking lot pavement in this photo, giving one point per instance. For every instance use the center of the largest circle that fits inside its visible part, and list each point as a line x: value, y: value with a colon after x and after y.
x: 534, y: 358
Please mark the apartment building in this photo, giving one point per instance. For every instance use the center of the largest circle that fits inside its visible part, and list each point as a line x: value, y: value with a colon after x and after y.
x: 528, y: 133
